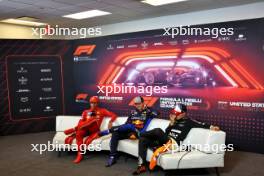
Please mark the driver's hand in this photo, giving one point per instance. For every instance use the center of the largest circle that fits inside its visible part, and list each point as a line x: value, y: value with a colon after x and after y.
x: 133, y: 137
x: 172, y: 122
x: 110, y: 125
x: 215, y: 128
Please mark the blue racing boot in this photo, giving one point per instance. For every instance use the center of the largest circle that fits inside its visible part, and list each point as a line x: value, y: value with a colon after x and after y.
x: 111, y: 161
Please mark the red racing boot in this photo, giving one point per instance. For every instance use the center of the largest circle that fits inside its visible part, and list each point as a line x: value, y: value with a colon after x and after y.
x: 79, y: 158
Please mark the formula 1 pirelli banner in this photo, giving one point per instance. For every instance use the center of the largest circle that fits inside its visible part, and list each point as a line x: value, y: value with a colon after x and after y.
x: 215, y: 69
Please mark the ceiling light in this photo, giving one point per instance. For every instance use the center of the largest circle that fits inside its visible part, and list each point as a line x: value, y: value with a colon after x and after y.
x: 86, y: 14
x: 161, y: 2
x: 23, y: 22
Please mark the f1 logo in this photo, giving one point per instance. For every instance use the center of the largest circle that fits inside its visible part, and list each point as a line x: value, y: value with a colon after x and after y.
x: 84, y: 49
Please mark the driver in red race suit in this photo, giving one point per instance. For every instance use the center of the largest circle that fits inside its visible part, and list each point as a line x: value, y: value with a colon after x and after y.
x: 88, y: 125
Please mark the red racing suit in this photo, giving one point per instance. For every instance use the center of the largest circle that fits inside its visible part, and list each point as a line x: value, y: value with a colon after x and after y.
x: 88, y: 125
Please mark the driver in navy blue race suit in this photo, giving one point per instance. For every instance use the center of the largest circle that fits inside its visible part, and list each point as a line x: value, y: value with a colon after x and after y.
x: 137, y: 123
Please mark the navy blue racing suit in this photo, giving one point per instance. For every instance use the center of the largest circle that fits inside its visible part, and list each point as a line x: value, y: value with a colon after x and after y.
x: 136, y: 124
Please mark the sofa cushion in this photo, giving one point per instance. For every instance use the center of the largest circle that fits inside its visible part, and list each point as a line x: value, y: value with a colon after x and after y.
x: 128, y: 146
x: 117, y: 122
x: 59, y: 138
x: 158, y: 123
x: 66, y: 122
x: 206, y: 140
x: 194, y: 159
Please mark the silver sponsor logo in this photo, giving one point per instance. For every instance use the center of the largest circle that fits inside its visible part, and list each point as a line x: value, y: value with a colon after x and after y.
x: 47, y: 89
x: 24, y: 99
x: 45, y: 70
x: 25, y: 110
x: 48, y: 109
x: 22, y: 70
x: 46, y: 79
x: 47, y: 98
x: 23, y: 80
x: 23, y: 90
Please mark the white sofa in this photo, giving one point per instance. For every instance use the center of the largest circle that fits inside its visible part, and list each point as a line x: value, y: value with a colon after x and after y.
x: 201, y: 158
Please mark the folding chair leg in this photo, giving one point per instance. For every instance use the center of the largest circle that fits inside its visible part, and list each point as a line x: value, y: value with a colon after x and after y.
x: 126, y: 158
x: 167, y: 173
x: 59, y: 154
x: 217, y: 171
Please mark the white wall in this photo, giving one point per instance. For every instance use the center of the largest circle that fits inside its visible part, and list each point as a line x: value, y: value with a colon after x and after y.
x: 10, y: 31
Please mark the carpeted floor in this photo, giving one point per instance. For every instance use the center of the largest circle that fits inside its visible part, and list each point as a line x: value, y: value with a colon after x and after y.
x: 16, y: 158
